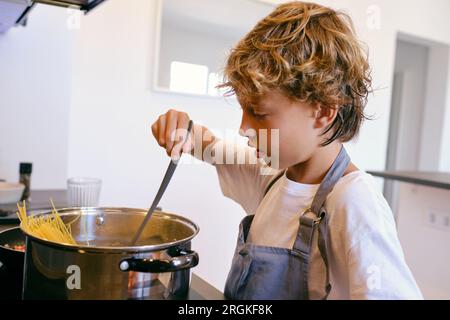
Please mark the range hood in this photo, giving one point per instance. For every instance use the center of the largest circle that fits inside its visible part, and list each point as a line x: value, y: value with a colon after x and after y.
x: 85, y: 5
x: 15, y: 12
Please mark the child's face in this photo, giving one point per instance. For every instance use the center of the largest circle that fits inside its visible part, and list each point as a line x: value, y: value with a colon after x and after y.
x: 299, y: 130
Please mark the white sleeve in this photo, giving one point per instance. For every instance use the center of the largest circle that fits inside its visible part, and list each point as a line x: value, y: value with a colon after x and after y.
x: 367, y: 243
x: 377, y: 270
x: 244, y: 183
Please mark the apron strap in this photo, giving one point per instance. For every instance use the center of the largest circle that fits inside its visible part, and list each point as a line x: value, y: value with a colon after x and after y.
x: 332, y: 177
x: 312, y: 219
x: 323, y: 248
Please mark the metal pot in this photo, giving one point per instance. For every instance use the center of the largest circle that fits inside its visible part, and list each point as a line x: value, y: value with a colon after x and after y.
x: 11, y: 264
x: 103, y: 266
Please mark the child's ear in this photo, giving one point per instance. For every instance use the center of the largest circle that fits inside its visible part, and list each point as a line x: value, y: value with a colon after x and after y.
x: 324, y: 116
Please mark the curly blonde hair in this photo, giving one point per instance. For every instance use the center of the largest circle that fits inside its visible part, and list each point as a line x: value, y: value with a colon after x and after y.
x: 311, y: 53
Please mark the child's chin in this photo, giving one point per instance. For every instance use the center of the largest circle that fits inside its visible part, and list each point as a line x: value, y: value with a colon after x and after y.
x: 266, y: 159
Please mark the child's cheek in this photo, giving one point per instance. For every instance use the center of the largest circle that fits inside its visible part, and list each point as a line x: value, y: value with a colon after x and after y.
x: 293, y: 146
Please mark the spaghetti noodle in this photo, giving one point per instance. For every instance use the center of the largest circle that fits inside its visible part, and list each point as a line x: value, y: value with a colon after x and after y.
x: 48, y: 227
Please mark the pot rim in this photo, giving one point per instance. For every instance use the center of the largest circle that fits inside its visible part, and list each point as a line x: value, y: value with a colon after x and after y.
x: 6, y: 231
x: 123, y: 249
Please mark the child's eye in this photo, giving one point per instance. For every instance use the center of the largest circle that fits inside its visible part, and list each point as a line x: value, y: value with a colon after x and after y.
x: 250, y: 111
x: 259, y: 116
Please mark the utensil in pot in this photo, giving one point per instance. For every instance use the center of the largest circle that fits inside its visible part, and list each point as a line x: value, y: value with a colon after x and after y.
x: 167, y: 177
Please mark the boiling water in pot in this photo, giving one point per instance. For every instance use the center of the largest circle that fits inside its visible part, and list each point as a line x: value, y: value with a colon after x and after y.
x: 150, y: 241
x: 115, y: 229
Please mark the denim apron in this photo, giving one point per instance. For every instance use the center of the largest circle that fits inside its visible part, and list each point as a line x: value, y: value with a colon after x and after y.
x: 270, y: 273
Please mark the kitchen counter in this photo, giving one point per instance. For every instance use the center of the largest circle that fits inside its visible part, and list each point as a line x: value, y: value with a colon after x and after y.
x: 439, y: 180
x: 202, y: 290
x: 39, y: 202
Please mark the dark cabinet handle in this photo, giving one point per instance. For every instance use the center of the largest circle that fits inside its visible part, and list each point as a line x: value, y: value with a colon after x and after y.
x: 186, y: 260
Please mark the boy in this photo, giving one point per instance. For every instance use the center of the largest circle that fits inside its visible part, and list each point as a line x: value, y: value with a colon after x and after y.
x: 318, y: 228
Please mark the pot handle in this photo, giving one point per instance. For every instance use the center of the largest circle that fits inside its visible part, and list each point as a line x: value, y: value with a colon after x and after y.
x: 187, y: 259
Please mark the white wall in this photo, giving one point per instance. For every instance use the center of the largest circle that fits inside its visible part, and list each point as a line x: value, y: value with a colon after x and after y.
x: 35, y: 75
x: 425, y: 246
x: 112, y: 107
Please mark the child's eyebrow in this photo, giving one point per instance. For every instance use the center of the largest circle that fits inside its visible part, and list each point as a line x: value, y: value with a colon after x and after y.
x: 260, y: 107
x: 253, y: 104
x: 255, y: 107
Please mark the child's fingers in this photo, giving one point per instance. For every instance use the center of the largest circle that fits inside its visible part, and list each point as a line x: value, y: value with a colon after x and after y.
x: 155, y: 130
x: 180, y: 135
x: 156, y: 127
x: 162, y: 130
x: 171, y: 127
x: 188, y: 146
x: 185, y: 145
x: 175, y: 152
x: 170, y: 131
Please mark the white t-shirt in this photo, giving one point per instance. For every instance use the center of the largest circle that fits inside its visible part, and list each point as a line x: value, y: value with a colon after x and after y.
x: 365, y: 256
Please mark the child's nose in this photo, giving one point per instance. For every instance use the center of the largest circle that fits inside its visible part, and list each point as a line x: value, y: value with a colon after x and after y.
x: 245, y: 126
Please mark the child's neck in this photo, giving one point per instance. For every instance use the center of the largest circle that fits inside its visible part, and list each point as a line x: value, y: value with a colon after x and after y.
x: 313, y: 170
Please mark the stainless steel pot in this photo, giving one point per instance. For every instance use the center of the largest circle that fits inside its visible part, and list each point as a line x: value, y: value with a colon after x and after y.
x: 103, y: 266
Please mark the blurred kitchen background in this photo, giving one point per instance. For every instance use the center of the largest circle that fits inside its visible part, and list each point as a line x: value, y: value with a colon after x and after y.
x: 78, y: 94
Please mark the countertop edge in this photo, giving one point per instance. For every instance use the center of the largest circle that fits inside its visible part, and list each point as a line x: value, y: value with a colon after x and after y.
x: 414, y: 178
x: 204, y: 289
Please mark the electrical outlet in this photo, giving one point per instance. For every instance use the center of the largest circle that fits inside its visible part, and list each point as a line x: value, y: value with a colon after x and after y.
x: 438, y: 219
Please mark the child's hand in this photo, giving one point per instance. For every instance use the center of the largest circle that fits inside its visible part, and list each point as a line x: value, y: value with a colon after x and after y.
x: 170, y: 131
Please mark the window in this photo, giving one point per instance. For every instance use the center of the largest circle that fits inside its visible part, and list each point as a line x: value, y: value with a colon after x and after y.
x: 193, y: 78
x: 188, y: 77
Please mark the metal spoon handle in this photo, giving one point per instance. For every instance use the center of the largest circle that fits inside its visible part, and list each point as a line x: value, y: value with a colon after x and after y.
x: 167, y: 177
